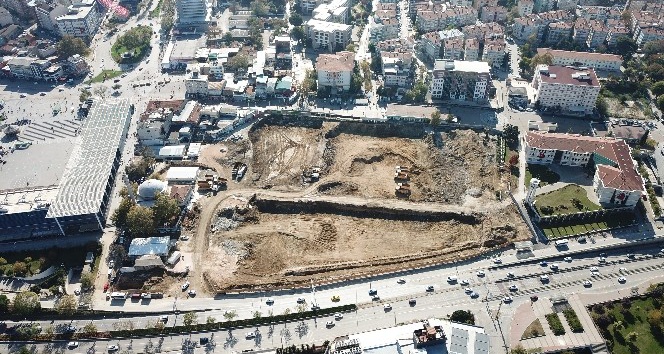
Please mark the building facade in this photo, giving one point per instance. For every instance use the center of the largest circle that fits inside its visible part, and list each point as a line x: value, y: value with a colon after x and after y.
x: 568, y: 89
x: 82, y: 20
x: 334, y: 71
x: 329, y: 36
x: 460, y: 80
x: 597, y: 61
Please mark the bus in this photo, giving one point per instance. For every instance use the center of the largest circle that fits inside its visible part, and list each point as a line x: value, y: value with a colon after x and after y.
x: 118, y: 296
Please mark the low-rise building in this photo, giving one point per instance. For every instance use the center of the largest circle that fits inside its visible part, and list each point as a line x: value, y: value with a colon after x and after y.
x: 334, y: 71
x: 460, y: 80
x: 617, y: 181
x: 397, y: 68
x: 568, y: 89
x: 597, y: 61
x: 330, y: 36
x: 158, y: 246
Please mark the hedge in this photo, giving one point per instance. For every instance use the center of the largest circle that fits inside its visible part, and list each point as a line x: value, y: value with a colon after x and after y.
x: 573, y: 321
x: 200, y: 327
x: 555, y: 324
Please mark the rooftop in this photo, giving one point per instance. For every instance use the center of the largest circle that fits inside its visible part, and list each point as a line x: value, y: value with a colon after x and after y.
x: 579, y: 55
x: 149, y: 245
x: 341, y: 61
x: 567, y: 75
x: 327, y: 26
x: 624, y: 177
x: 462, y: 65
x: 86, y: 176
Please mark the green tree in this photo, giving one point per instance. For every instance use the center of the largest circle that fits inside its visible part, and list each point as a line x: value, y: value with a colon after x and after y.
x: 658, y: 88
x: 190, y: 318
x: 119, y: 216
x: 2, y: 261
x: 26, y: 303
x: 511, y: 136
x: 295, y: 19
x: 210, y: 320
x: 655, y: 318
x: 632, y: 336
x: 259, y: 8
x: 140, y: 221
x: 519, y: 349
x: 20, y: 269
x: 87, y: 280
x: 660, y: 102
x: 602, y: 106
x: 298, y: 33
x: 435, y: 118
x: 239, y: 61
x: 90, y: 329
x: 66, y: 305
x: 256, y: 315
x: 539, y: 59
x: 309, y: 84
x: 463, y: 316
x: 230, y: 315
x: 165, y: 209
x: 625, y: 46
x: 4, y: 303
x: 85, y: 94
x: 69, y: 46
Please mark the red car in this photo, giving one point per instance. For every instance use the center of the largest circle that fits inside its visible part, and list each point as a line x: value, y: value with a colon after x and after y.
x: 105, y: 287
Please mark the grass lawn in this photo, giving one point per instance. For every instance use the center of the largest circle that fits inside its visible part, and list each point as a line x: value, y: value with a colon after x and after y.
x: 555, y: 324
x: 41, y: 260
x: 155, y: 13
x: 534, y: 329
x: 574, y: 229
x: 105, y: 74
x: 541, y: 172
x: 569, y: 199
x: 633, y: 319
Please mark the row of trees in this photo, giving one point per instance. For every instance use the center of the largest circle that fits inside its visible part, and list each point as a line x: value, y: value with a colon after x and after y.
x: 142, y: 221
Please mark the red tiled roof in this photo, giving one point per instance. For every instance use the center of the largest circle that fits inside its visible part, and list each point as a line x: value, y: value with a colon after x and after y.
x: 623, y: 177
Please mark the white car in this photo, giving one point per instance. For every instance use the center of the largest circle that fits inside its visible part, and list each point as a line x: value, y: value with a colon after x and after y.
x: 602, y: 259
x: 544, y: 278
x: 192, y: 293
x: 72, y: 345
x: 622, y: 280
x: 567, y: 259
x: 338, y: 316
x: 468, y: 290
x: 554, y: 266
x: 269, y: 301
x: 464, y: 282
x: 622, y: 269
x: 250, y: 335
x: 543, y: 263
x: 513, y: 287
x: 480, y: 273
x: 300, y: 300
x: 587, y: 283
x: 111, y: 263
x: 474, y: 295
x: 507, y: 299
x: 185, y: 285
x: 497, y: 260
x: 594, y: 269
x: 387, y: 307
x: 112, y: 348
x: 329, y: 324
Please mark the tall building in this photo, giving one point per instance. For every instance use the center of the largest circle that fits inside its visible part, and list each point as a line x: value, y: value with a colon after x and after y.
x: 47, y: 15
x: 193, y: 12
x: 81, y: 20
x: 335, y: 71
x: 461, y: 80
x: 330, y: 36
x: 569, y: 89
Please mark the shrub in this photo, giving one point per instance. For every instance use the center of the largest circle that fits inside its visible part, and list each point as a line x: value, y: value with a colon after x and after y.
x: 463, y: 316
x: 555, y: 324
x: 573, y: 321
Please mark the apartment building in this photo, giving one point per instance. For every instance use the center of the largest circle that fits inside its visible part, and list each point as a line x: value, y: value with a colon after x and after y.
x: 571, y: 90
x: 336, y: 11
x: 460, y: 80
x: 478, y: 4
x: 397, y: 68
x: 650, y: 34
x: 384, y: 30
x: 494, y: 14
x: 582, y: 29
x: 597, y: 35
x: 494, y: 52
x: 616, y: 32
x: 484, y: 31
x: 566, y: 4
x: 335, y: 71
x: 616, y: 181
x: 453, y: 48
x: 597, y: 61
x: 542, y: 5
x: 471, y: 49
x: 47, y: 15
x: 328, y: 35
x: 439, y: 17
x: 601, y: 13
x: 559, y: 31
x: 525, y: 27
x: 30, y: 68
x: 6, y: 17
x: 81, y: 20
x: 525, y: 7
x: 430, y: 43
x: 308, y: 6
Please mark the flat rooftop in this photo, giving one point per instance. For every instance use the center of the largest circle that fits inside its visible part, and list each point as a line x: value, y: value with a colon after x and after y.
x: 462, y: 66
x: 185, y: 47
x: 24, y: 200
x: 40, y: 165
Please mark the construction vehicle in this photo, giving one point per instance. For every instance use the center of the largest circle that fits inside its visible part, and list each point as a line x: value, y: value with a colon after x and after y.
x: 403, y: 189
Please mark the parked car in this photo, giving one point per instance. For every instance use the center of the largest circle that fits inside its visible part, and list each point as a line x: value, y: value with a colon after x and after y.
x: 587, y: 283
x: 72, y: 345
x: 387, y: 307
x: 269, y: 301
x: 507, y: 299
x: 185, y: 285
x: 430, y: 288
x: 338, y: 316
x: 113, y: 348
x: 622, y: 280
x: 412, y: 302
x: 250, y: 335
x: 513, y: 287
x: 300, y: 300
x: 480, y: 273
x: 335, y: 298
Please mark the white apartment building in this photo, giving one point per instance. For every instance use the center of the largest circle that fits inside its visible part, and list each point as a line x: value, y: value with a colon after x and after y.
x: 328, y: 35
x: 82, y: 20
x: 335, y: 11
x: 617, y: 181
x: 396, y: 68
x: 525, y: 7
x: 460, y: 80
x: 335, y: 71
x: 471, y: 49
x: 597, y: 61
x: 494, y: 52
x: 47, y: 15
x: 569, y: 89
x: 430, y: 42
x: 193, y: 12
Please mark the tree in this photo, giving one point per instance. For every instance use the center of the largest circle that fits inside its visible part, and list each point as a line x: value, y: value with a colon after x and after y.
x: 626, y: 47
x: 519, y: 349
x: 658, y: 88
x: 190, y: 318
x: 90, y: 329
x: 309, y: 84
x: 20, y: 269
x: 140, y: 221
x: 69, y: 46
x: 239, y: 61
x: 511, y: 136
x: 660, y: 102
x: 230, y: 315
x: 632, y: 336
x: 539, y: 59
x: 165, y: 209
x: 256, y: 315
x: 295, y: 19
x: 119, y: 216
x: 463, y: 316
x: 100, y: 91
x: 655, y: 318
x: 435, y: 118
x: 210, y: 320
x: 514, y: 160
x: 26, y: 303
x: 85, y: 94
x: 66, y: 305
x: 286, y: 312
x: 602, y: 106
x: 87, y: 280
x: 298, y: 33
x: 4, y: 303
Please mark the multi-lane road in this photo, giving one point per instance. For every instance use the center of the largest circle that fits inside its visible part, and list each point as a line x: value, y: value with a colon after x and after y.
x: 644, y: 268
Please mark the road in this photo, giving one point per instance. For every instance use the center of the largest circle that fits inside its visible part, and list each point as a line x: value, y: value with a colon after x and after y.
x: 443, y: 301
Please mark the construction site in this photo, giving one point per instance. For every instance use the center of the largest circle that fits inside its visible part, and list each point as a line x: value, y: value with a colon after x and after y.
x: 315, y: 198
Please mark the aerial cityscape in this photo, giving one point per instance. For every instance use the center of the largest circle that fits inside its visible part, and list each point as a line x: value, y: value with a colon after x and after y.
x: 331, y: 176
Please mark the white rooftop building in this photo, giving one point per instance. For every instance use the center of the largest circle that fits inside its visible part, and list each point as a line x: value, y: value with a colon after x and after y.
x: 193, y: 12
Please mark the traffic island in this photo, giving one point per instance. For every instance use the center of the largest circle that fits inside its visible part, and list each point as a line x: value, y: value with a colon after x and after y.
x: 132, y: 46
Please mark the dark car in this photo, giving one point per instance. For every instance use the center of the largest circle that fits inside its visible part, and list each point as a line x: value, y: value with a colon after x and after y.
x: 534, y: 298
x: 204, y: 340
x: 373, y: 292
